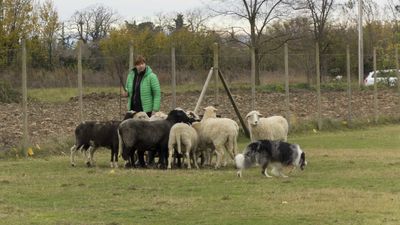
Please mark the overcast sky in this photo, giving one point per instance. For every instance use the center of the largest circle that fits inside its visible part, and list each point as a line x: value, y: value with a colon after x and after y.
x: 129, y: 9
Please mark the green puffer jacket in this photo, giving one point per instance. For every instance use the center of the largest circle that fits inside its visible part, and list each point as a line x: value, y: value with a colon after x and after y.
x: 150, y: 93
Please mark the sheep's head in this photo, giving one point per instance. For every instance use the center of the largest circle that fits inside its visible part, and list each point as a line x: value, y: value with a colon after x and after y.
x: 160, y: 115
x: 129, y: 115
x: 192, y: 115
x: 141, y: 116
x: 178, y: 116
x: 253, y: 118
x: 210, y: 112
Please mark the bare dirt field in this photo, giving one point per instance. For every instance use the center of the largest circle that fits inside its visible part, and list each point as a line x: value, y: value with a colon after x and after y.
x: 52, y: 120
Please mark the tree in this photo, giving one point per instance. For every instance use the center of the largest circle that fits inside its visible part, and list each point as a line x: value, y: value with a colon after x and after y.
x: 319, y: 11
x: 93, y: 23
x: 196, y: 19
x: 17, y: 23
x: 49, y: 25
x: 258, y: 14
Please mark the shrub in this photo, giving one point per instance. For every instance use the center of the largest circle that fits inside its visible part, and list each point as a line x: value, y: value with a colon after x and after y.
x: 8, y: 94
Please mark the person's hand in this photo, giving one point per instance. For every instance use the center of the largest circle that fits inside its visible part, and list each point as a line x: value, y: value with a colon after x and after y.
x: 124, y: 94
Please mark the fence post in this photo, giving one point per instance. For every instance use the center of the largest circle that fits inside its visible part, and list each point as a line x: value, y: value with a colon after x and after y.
x: 203, y: 91
x: 173, y: 71
x: 375, y: 90
x: 397, y: 68
x: 287, y: 83
x: 319, y: 119
x: 215, y: 72
x: 253, y: 79
x: 80, y: 89
x: 348, y: 84
x: 25, y: 138
x: 130, y: 56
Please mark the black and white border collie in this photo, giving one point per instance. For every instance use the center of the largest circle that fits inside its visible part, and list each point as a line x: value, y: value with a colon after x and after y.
x: 277, y: 154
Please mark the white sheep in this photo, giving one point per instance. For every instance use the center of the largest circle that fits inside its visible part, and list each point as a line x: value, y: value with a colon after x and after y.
x: 141, y: 116
x: 274, y: 128
x: 221, y: 133
x: 182, y: 134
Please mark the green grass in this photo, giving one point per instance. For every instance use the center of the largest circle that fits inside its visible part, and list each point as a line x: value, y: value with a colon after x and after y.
x: 352, y: 177
x: 54, y: 95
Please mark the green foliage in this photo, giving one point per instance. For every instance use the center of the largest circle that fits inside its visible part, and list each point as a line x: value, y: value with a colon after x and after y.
x: 8, y: 94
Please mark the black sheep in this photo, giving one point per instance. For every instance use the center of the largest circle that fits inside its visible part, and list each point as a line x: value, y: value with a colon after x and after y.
x: 148, y: 136
x: 90, y: 135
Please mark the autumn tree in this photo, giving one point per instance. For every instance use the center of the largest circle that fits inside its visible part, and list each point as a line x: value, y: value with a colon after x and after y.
x: 17, y: 23
x: 49, y: 25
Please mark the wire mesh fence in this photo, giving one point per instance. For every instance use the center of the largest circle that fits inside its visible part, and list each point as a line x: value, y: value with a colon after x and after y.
x: 53, y: 103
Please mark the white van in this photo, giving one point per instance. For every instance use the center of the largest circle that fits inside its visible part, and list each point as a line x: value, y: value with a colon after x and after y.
x: 388, y: 77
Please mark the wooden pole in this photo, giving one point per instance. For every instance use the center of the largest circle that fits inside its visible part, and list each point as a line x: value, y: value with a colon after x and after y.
x: 360, y: 44
x: 246, y: 130
x: 80, y: 88
x: 375, y: 90
x: 203, y: 91
x: 25, y: 137
x: 348, y: 84
x: 287, y: 83
x: 397, y: 67
x: 319, y: 119
x: 130, y: 56
x: 173, y: 72
x: 216, y: 68
x: 253, y: 79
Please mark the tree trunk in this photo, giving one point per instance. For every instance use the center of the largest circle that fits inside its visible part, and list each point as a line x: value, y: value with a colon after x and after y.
x: 258, y: 62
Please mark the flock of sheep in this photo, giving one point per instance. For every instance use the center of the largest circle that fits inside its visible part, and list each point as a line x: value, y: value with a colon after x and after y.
x: 182, y: 137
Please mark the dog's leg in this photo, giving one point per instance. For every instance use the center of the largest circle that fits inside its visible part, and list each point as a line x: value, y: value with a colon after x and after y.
x: 278, y: 169
x: 264, y: 170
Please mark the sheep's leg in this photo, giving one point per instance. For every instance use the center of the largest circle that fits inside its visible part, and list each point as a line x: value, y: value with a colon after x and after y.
x: 188, y: 146
x: 73, y: 151
x: 163, y: 158
x: 112, y: 159
x: 264, y: 170
x: 114, y: 152
x: 141, y: 159
x: 170, y: 156
x: 91, y: 155
x: 239, y: 173
x: 188, y: 159
x: 220, y: 154
x: 87, y: 156
x: 194, y: 154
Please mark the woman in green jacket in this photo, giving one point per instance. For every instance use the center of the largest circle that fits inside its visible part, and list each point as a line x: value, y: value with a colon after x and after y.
x: 142, y: 88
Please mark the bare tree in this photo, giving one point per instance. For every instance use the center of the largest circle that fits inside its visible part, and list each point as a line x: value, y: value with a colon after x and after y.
x: 392, y: 9
x: 94, y: 23
x: 196, y: 19
x: 258, y: 14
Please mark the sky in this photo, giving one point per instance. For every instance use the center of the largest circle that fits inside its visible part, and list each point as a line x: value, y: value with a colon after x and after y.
x: 129, y: 9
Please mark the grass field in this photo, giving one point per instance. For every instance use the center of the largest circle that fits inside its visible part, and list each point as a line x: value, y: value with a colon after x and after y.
x: 352, y: 177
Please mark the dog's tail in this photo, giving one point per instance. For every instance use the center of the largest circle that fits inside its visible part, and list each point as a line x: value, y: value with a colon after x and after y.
x: 240, y: 161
